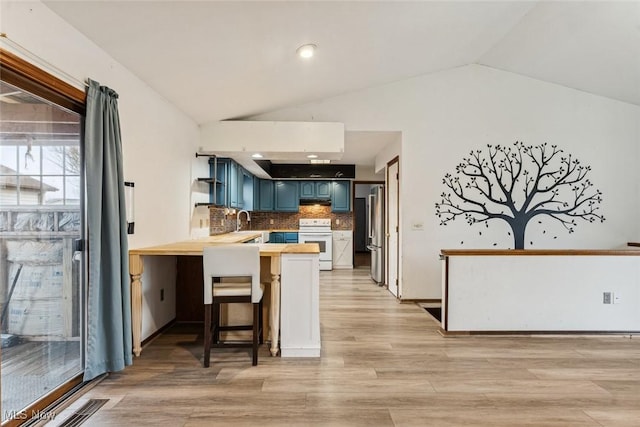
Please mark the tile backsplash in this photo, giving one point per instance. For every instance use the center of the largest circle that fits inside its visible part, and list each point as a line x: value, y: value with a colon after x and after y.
x: 221, y: 223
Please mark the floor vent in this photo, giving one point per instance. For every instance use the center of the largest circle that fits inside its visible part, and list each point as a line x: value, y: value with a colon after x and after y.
x: 83, y: 413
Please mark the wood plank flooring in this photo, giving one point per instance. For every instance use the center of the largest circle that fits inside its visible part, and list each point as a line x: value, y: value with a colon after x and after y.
x: 383, y: 364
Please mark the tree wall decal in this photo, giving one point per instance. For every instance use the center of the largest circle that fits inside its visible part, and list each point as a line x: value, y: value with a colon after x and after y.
x: 516, y: 184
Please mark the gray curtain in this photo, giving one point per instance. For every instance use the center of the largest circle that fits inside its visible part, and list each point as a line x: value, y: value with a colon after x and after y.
x: 109, y: 296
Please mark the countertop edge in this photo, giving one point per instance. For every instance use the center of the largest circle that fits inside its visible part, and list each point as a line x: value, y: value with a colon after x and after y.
x: 540, y: 252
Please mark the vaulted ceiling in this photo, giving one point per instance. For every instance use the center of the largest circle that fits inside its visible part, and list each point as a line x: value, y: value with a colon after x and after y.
x: 218, y: 60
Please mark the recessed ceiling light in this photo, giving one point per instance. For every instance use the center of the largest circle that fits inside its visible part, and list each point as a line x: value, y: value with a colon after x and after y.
x: 306, y: 51
x: 257, y: 156
x: 312, y: 156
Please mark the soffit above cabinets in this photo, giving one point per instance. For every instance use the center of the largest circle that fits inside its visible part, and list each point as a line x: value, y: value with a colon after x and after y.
x: 274, y: 140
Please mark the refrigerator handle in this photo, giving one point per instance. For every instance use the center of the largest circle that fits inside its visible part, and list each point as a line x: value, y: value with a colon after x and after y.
x: 371, y: 215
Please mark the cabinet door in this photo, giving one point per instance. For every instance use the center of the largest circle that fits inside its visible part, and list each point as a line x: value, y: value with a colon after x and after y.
x: 286, y: 196
x: 341, y: 198
x: 256, y: 193
x: 218, y: 174
x: 233, y: 184
x: 276, y: 237
x: 239, y: 186
x: 265, y: 201
x: 291, y: 237
x: 307, y: 190
x: 323, y: 189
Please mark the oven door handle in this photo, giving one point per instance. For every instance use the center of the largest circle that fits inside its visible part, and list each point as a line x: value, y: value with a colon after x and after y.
x: 313, y: 235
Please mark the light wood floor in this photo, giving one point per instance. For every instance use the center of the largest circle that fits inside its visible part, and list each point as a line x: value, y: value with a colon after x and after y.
x: 383, y: 364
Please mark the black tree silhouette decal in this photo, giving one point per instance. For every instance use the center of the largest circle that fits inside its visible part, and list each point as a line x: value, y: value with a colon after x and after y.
x: 516, y: 184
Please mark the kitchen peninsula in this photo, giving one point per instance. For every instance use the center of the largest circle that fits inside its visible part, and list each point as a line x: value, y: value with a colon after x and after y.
x: 293, y: 270
x: 540, y: 291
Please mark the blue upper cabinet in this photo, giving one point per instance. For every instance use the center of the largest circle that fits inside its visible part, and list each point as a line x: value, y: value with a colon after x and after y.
x: 230, y: 184
x: 232, y: 187
x: 323, y: 189
x: 341, y: 197
x: 315, y: 189
x: 265, y: 195
x: 287, y: 197
x: 307, y: 190
x: 218, y: 180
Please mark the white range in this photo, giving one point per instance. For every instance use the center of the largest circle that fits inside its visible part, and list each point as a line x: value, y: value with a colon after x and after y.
x: 318, y: 230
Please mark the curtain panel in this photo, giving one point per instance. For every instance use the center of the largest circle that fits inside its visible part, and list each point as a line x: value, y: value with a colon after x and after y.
x: 109, y: 346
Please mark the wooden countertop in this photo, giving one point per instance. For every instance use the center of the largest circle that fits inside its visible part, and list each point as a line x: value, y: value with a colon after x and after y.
x: 234, y: 237
x: 540, y: 252
x: 195, y: 247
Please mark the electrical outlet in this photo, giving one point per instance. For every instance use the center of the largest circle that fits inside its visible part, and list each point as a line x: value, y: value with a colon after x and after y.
x: 337, y: 222
x: 222, y: 222
x: 606, y: 297
x: 162, y: 294
x: 271, y: 221
x: 617, y: 299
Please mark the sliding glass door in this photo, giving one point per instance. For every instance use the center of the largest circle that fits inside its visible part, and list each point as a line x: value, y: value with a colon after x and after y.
x: 41, y: 264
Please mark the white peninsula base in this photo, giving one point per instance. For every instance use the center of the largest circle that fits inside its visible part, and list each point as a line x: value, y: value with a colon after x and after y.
x: 300, y: 309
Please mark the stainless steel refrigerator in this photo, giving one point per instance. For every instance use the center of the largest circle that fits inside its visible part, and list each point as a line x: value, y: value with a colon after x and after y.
x: 376, y: 233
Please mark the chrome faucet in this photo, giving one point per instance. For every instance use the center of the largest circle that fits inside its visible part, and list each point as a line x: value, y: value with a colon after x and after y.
x: 238, y: 218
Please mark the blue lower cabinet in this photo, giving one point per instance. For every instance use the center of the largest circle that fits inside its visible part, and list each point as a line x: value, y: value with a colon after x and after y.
x: 276, y: 237
x: 291, y: 237
x: 283, y: 237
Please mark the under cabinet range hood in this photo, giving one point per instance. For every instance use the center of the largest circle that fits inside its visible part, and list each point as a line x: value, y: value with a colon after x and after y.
x: 307, y: 171
x: 315, y: 202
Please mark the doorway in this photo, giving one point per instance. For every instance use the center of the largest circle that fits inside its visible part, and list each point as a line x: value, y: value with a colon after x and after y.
x: 393, y: 219
x: 361, y: 192
x: 361, y: 257
x: 42, y: 285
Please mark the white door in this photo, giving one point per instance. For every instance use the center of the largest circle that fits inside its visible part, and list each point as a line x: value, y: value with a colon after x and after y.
x: 393, y: 211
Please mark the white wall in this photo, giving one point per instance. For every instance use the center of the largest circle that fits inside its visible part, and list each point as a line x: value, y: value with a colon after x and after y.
x: 367, y: 173
x: 443, y: 116
x: 158, y: 140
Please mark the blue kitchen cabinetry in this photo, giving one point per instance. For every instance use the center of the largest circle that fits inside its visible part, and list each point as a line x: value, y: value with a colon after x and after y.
x: 283, y: 237
x: 239, y: 189
x: 276, y: 237
x: 341, y: 196
x: 232, y: 188
x: 262, y: 194
x: 230, y: 185
x: 265, y: 195
x: 290, y: 237
x: 217, y: 181
x: 315, y: 189
x: 287, y: 197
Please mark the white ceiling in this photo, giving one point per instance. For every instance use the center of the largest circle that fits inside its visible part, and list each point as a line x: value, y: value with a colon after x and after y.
x: 221, y: 60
